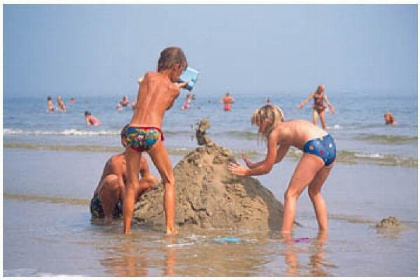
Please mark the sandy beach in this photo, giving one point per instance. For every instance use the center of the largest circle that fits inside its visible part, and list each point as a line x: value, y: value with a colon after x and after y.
x: 350, y: 65
x: 44, y: 219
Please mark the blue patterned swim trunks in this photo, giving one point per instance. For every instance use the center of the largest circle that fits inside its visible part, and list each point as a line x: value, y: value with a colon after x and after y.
x: 323, y: 147
x: 143, y: 138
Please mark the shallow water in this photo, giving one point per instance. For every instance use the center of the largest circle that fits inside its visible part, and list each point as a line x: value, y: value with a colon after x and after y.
x: 38, y: 242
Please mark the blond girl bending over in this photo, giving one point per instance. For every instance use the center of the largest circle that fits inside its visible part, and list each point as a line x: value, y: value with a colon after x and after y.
x: 312, y: 170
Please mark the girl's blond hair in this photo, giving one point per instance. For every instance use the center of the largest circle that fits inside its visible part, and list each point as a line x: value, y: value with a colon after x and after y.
x: 272, y: 113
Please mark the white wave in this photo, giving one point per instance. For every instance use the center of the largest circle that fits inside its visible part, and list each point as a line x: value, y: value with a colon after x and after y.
x: 84, y: 132
x: 336, y: 126
x: 66, y: 132
x: 369, y: 155
x: 30, y: 272
x: 12, y: 131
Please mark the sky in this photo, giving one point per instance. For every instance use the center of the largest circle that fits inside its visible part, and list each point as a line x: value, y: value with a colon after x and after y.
x: 102, y: 50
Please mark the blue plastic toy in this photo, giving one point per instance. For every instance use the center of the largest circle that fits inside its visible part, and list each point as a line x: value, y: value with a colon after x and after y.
x: 227, y: 240
x: 190, y: 75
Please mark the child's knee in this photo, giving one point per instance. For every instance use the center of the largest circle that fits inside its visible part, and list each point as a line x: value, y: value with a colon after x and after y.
x: 111, y: 182
x: 291, y: 195
x: 313, y: 193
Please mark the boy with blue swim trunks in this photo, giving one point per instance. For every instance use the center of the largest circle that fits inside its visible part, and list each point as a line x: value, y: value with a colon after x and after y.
x: 157, y: 93
x: 319, y: 153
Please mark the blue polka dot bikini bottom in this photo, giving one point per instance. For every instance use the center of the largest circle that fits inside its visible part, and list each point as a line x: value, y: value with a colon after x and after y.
x: 323, y: 147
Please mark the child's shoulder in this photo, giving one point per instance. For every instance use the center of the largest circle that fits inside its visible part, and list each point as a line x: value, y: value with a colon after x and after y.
x: 297, y: 125
x: 117, y: 159
x: 153, y: 77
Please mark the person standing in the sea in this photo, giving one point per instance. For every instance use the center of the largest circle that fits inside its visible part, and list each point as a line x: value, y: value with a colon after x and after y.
x: 61, y: 104
x: 228, y: 101
x: 318, y: 108
x: 50, y: 104
x: 187, y: 103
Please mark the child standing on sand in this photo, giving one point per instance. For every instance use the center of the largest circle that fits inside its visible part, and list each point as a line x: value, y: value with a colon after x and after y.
x: 312, y: 170
x: 157, y: 93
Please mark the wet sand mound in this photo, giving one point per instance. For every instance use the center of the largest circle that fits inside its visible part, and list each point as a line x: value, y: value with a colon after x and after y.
x: 208, y: 196
x: 389, y: 223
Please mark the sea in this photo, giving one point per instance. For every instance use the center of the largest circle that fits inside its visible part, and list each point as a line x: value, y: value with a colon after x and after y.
x: 52, y: 163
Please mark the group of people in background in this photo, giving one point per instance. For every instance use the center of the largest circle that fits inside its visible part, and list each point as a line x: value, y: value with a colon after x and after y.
x: 318, y: 108
x: 61, y: 107
x: 125, y: 102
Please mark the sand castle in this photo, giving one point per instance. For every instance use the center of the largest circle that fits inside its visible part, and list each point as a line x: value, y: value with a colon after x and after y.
x: 209, y: 197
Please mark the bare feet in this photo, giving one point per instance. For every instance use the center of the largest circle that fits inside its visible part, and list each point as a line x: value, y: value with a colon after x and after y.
x: 286, y: 235
x: 108, y: 220
x: 171, y: 231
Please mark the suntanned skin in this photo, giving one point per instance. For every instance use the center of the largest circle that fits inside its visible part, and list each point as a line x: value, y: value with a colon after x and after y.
x: 157, y: 93
x: 112, y: 185
x: 50, y: 106
x: 91, y: 120
x: 310, y: 170
x: 228, y: 101
x: 389, y: 119
x: 314, y: 112
x: 61, y: 104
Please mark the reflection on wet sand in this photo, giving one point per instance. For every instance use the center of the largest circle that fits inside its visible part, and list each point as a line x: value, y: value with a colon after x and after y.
x: 151, y: 254
x: 133, y: 258
x: 170, y: 260
x: 127, y: 261
x: 318, y: 265
x: 222, y: 260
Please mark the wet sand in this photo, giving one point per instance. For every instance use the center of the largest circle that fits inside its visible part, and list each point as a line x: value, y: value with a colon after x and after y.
x: 45, y: 237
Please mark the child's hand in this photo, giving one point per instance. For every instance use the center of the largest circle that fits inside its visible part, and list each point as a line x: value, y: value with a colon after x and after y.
x: 181, y: 85
x: 237, y: 169
x: 245, y: 158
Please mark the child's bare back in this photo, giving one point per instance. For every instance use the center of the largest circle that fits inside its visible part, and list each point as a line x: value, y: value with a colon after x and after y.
x: 296, y: 133
x: 156, y: 95
x: 115, y: 165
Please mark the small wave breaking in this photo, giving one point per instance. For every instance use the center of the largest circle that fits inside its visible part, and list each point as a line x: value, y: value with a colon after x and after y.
x: 388, y: 139
x: 343, y: 156
x: 66, y: 132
